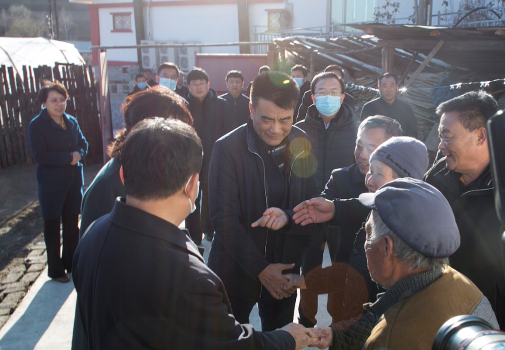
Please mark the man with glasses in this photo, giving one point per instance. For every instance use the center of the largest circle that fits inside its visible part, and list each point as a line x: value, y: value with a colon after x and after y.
x: 211, y: 121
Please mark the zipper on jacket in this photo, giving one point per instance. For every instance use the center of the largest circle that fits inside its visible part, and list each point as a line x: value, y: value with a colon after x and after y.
x: 266, y: 202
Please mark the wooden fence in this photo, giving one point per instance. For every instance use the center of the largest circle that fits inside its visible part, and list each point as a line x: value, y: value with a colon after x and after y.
x: 19, y: 104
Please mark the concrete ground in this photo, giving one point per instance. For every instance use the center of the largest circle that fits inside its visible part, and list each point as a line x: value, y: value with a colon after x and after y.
x: 45, y: 318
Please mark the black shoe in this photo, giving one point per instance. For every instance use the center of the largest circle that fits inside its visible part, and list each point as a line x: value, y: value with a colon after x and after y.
x: 209, y: 236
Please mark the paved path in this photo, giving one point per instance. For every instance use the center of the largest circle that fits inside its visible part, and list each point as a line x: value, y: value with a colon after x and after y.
x: 45, y: 317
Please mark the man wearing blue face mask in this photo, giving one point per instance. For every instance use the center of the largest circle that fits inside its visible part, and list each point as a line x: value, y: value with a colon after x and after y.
x: 331, y: 126
x: 140, y: 84
x: 168, y: 73
x: 299, y: 74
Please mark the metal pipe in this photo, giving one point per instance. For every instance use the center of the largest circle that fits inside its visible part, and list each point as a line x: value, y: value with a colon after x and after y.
x: 176, y: 45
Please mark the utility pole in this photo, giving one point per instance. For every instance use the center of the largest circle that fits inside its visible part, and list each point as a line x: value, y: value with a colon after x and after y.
x: 138, y: 14
x: 243, y: 24
x: 57, y: 36
x: 50, y: 21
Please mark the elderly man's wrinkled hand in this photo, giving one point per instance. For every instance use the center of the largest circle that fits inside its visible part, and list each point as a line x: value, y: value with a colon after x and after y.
x: 324, y: 336
x: 314, y: 211
x: 273, y: 280
x: 273, y: 219
x: 294, y: 282
x: 301, y: 335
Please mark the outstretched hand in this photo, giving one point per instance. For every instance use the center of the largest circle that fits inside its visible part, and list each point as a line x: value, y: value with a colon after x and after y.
x: 325, y: 336
x: 273, y: 280
x: 273, y: 219
x: 314, y: 211
x: 301, y: 335
x: 294, y: 282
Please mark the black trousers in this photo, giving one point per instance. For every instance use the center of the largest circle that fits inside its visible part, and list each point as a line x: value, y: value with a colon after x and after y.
x: 313, y: 258
x: 273, y: 313
x: 199, y: 221
x: 57, y: 263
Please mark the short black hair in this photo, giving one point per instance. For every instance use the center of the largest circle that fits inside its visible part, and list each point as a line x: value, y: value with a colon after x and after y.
x: 391, y: 126
x: 147, y: 70
x: 234, y: 74
x: 157, y: 101
x: 168, y: 65
x: 475, y: 108
x: 48, y: 86
x: 386, y: 75
x: 139, y: 75
x: 334, y: 67
x: 301, y: 68
x: 197, y: 74
x: 158, y: 157
x: 326, y: 75
x: 276, y: 87
x: 264, y: 68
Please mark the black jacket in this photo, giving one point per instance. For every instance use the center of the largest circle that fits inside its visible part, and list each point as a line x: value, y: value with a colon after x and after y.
x: 303, y: 89
x: 333, y: 147
x: 307, y: 102
x: 183, y: 91
x: 238, y: 197
x: 238, y: 108
x: 480, y: 255
x: 142, y: 284
x: 399, y: 110
x: 211, y: 121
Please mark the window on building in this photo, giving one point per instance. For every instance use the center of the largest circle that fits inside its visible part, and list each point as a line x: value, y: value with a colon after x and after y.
x: 274, y: 20
x: 122, y: 22
x: 352, y: 11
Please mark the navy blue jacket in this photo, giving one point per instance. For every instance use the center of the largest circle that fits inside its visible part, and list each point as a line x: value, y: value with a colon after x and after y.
x: 52, y: 148
x: 239, y: 109
x: 142, y: 284
x: 238, y: 196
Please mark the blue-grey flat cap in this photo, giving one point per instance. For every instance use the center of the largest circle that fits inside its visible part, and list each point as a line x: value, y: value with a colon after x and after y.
x: 419, y: 214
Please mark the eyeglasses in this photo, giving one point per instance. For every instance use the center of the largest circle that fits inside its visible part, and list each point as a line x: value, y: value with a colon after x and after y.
x: 331, y: 93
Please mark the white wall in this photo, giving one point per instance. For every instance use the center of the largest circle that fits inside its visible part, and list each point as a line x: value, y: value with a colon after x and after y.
x: 200, y: 24
x: 107, y: 38
x: 309, y: 13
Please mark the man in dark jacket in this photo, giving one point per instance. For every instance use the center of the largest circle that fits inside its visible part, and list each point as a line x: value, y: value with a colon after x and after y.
x: 149, y: 78
x: 338, y: 206
x: 238, y: 103
x: 140, y: 84
x: 390, y: 106
x: 331, y: 127
x: 307, y: 97
x: 141, y: 282
x: 300, y: 75
x: 211, y: 121
x: 181, y: 89
x: 464, y: 178
x: 262, y: 69
x: 258, y: 173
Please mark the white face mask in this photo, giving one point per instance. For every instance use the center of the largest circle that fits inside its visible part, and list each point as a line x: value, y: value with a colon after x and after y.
x: 192, y: 205
x: 169, y: 83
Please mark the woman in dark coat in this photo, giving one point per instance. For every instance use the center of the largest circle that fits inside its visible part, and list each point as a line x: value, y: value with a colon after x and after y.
x: 57, y: 145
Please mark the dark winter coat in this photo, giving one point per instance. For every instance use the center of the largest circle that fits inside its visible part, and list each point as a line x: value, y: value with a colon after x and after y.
x: 398, y: 110
x: 238, y: 197
x: 182, y: 91
x: 57, y: 179
x: 303, y: 89
x: 333, y: 147
x: 480, y: 255
x: 211, y: 120
x: 238, y: 107
x: 307, y: 102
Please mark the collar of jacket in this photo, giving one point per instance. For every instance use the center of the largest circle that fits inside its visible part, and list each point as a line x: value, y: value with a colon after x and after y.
x: 46, y: 117
x: 251, y: 142
x: 211, y: 95
x: 482, y: 185
x: 137, y: 220
x: 342, y: 119
x: 357, y: 176
x: 408, y: 286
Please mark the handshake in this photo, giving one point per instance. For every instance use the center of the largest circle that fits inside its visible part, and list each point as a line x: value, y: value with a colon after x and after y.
x: 318, y: 337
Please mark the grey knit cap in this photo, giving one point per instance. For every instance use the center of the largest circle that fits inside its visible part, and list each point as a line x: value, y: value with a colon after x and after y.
x: 407, y: 156
x: 417, y: 213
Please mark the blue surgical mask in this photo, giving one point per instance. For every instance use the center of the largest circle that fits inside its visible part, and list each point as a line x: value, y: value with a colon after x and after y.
x: 142, y: 85
x: 192, y: 205
x: 169, y: 83
x: 328, y: 105
x: 299, y: 81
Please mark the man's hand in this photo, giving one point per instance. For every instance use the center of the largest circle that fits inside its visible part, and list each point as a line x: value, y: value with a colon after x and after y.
x: 273, y: 219
x: 301, y: 335
x: 325, y: 336
x: 76, y: 157
x: 273, y: 279
x: 294, y: 282
x: 314, y: 211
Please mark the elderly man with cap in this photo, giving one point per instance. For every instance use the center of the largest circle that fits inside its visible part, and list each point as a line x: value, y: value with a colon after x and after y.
x: 410, y: 235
